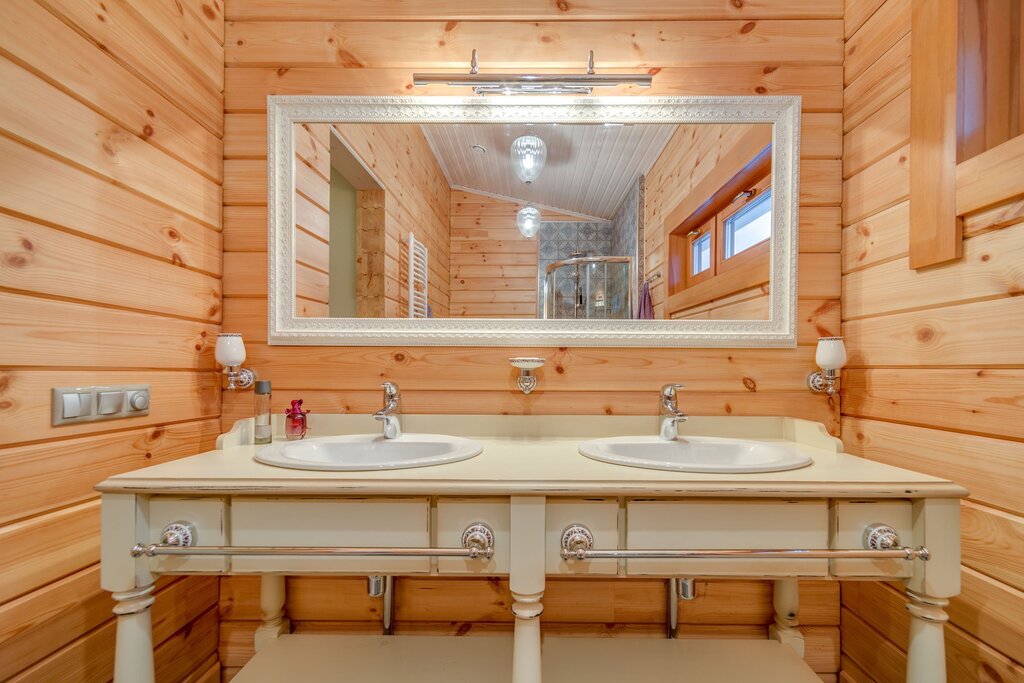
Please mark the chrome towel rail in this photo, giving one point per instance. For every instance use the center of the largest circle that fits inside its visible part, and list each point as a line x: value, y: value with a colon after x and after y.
x: 178, y: 539
x: 880, y: 542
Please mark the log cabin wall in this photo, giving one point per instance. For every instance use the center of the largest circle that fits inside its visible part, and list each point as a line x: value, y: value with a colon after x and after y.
x: 934, y: 381
x: 110, y: 267
x: 493, y: 269
x: 365, y: 47
x: 312, y: 220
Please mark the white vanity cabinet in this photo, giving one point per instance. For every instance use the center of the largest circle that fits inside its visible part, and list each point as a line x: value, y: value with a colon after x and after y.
x: 529, y: 508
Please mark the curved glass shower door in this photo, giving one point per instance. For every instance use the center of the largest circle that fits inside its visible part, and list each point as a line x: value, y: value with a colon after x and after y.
x: 589, y: 287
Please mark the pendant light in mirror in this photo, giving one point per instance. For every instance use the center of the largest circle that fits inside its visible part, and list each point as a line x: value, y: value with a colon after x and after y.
x: 528, y: 156
x: 528, y: 221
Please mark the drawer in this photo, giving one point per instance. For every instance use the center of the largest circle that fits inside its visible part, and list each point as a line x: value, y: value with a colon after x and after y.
x: 207, y: 515
x: 727, y: 524
x: 849, y: 519
x: 331, y: 522
x: 600, y: 515
x: 454, y: 515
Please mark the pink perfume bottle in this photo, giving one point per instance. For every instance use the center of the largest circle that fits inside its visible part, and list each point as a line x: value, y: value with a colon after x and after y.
x: 295, y: 425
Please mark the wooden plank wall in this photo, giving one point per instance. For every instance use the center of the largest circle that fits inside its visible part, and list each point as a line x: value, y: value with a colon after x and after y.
x: 372, y: 48
x: 416, y: 200
x: 312, y: 220
x: 110, y: 273
x: 493, y: 268
x: 935, y: 373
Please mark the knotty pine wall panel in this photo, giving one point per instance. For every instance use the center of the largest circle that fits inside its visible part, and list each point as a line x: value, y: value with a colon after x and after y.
x: 711, y: 47
x: 935, y: 372
x: 110, y: 272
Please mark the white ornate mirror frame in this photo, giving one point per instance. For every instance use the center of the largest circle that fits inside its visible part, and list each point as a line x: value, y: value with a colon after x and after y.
x: 779, y: 330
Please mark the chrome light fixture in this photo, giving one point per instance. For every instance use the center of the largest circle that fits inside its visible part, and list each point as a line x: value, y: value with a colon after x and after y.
x: 830, y: 357
x: 532, y: 84
x: 528, y: 156
x: 528, y: 221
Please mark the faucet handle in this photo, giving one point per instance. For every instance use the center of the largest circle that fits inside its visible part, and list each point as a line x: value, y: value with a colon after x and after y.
x: 669, y: 390
x: 390, y: 389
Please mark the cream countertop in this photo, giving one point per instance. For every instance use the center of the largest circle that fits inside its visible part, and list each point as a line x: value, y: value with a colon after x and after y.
x: 538, y: 455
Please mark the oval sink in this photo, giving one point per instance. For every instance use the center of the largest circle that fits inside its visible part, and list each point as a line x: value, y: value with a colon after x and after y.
x: 356, y: 452
x: 696, y: 454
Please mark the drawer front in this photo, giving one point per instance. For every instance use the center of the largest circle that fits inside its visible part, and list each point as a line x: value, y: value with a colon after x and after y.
x: 207, y: 515
x: 849, y: 519
x: 727, y: 524
x: 347, y: 522
x: 454, y: 515
x: 601, y: 516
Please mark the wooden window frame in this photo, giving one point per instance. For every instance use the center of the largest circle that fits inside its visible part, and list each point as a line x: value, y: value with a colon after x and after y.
x: 689, y: 278
x: 943, y: 191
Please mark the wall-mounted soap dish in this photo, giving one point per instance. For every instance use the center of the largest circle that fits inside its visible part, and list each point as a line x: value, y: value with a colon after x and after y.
x: 526, y: 381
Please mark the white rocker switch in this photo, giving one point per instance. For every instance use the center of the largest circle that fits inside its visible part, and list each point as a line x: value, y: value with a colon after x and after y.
x: 71, y: 405
x: 110, y: 402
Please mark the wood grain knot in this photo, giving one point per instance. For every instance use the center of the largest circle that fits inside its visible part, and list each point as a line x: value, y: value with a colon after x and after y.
x: 208, y: 11
x: 925, y: 334
x: 770, y: 69
x: 562, y: 5
x: 750, y: 384
x: 748, y: 27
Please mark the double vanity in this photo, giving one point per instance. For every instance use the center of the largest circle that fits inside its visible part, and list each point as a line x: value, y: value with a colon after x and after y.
x: 766, y: 497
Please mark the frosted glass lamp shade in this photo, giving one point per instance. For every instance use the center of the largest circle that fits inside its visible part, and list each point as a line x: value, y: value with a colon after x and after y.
x: 528, y: 221
x: 831, y: 353
x: 230, y: 350
x: 528, y: 156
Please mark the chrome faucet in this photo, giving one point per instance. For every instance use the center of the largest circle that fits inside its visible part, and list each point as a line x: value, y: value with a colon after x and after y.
x: 391, y: 412
x: 670, y: 415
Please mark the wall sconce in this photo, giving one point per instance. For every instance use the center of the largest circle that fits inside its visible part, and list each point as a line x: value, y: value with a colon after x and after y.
x: 230, y: 353
x: 526, y: 381
x: 830, y: 357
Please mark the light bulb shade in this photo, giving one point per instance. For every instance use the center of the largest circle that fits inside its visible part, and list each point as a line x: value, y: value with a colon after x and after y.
x: 528, y: 156
x: 528, y: 221
x: 230, y: 350
x: 831, y: 353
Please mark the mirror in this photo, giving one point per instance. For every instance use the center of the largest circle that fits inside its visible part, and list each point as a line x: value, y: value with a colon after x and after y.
x: 654, y: 221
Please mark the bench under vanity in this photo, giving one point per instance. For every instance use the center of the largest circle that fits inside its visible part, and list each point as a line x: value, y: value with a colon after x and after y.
x: 530, y: 506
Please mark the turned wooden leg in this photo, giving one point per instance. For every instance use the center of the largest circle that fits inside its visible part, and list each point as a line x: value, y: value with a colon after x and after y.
x: 926, y: 656
x: 786, y: 600
x: 526, y: 580
x: 272, y: 597
x: 133, y: 650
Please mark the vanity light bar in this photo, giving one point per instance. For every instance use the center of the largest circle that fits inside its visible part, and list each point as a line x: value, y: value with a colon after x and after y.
x: 532, y: 84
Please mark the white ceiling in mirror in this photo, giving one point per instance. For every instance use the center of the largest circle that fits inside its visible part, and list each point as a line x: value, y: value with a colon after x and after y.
x: 588, y: 171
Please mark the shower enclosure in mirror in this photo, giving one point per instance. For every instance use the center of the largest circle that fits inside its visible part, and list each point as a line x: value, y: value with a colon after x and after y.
x: 583, y: 220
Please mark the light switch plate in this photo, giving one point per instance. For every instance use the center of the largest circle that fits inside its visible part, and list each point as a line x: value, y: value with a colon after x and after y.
x: 89, y: 404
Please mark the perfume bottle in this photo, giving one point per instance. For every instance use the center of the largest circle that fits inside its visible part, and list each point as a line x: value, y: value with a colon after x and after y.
x: 263, y: 431
x: 295, y: 425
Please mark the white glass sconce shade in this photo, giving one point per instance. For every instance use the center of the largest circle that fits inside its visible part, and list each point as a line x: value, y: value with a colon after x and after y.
x: 230, y: 353
x: 230, y: 350
x: 528, y: 221
x: 830, y: 357
x: 831, y: 353
x: 528, y: 156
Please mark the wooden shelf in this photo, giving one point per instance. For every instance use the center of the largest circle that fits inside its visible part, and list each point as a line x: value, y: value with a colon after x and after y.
x: 448, y: 659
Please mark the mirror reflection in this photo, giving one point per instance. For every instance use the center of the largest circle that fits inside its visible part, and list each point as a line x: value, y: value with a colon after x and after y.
x: 560, y: 221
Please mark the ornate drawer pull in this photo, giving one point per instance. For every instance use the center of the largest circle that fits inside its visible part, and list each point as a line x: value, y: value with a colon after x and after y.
x: 178, y: 539
x: 578, y: 544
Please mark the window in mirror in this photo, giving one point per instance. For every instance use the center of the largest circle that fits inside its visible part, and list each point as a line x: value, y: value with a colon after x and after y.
x: 749, y: 226
x: 700, y: 259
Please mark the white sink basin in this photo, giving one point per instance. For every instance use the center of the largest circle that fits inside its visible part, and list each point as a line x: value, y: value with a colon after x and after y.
x: 356, y: 452
x: 696, y: 454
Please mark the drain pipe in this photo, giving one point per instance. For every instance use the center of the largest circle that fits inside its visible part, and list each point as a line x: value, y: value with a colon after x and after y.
x: 383, y: 587
x: 678, y: 589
